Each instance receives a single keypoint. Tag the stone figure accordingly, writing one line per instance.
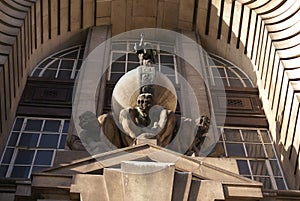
(145, 52)
(145, 120)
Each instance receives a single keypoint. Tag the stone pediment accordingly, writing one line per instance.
(167, 175)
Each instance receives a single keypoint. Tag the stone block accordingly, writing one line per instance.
(210, 190)
(170, 17)
(160, 14)
(103, 21)
(243, 192)
(114, 184)
(144, 22)
(184, 25)
(147, 180)
(88, 13)
(186, 10)
(90, 188)
(75, 15)
(118, 16)
(103, 9)
(144, 8)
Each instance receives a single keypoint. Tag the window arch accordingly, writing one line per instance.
(221, 71)
(63, 65)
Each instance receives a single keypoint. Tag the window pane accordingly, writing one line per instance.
(18, 124)
(280, 184)
(49, 73)
(119, 46)
(275, 168)
(265, 136)
(243, 167)
(33, 125)
(251, 136)
(3, 170)
(131, 66)
(66, 126)
(133, 57)
(24, 156)
(167, 70)
(235, 82)
(166, 59)
(43, 157)
(258, 167)
(62, 142)
(266, 182)
(118, 67)
(221, 72)
(119, 56)
(7, 156)
(235, 149)
(13, 139)
(67, 64)
(52, 125)
(64, 74)
(255, 150)
(49, 141)
(232, 135)
(116, 76)
(20, 171)
(79, 63)
(270, 151)
(29, 139)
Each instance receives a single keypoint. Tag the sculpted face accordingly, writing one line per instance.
(145, 102)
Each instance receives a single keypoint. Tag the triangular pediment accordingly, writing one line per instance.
(200, 168)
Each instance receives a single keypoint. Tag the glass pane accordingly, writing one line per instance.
(280, 184)
(29, 139)
(266, 182)
(235, 82)
(255, 150)
(243, 167)
(24, 156)
(20, 171)
(230, 73)
(265, 136)
(270, 151)
(167, 70)
(259, 167)
(53, 66)
(13, 139)
(116, 76)
(166, 48)
(33, 125)
(275, 168)
(119, 46)
(3, 170)
(117, 67)
(79, 63)
(118, 57)
(36, 72)
(221, 72)
(251, 136)
(66, 126)
(7, 156)
(232, 135)
(133, 57)
(52, 125)
(64, 74)
(215, 72)
(67, 64)
(172, 79)
(235, 149)
(131, 66)
(72, 55)
(49, 141)
(166, 59)
(49, 73)
(62, 142)
(18, 124)
(43, 157)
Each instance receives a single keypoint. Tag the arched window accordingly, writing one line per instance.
(221, 71)
(63, 65)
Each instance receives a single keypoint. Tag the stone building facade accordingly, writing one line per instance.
(259, 37)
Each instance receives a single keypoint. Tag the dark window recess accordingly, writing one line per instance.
(235, 102)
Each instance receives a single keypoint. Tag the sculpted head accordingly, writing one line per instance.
(145, 102)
